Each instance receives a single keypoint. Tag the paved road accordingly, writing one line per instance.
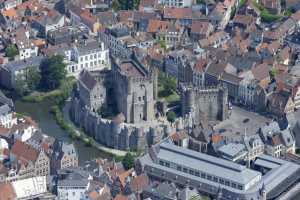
(241, 120)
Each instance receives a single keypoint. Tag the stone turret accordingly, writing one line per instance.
(190, 100)
(210, 101)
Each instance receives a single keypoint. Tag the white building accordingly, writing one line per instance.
(277, 142)
(247, 89)
(73, 186)
(24, 129)
(176, 3)
(27, 50)
(3, 144)
(297, 98)
(90, 56)
(7, 120)
(30, 188)
(8, 4)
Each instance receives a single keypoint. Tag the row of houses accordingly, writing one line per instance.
(26, 152)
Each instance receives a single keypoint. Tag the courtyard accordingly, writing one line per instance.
(241, 122)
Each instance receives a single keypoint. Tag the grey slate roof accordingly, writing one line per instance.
(23, 64)
(279, 174)
(73, 178)
(270, 128)
(249, 140)
(49, 20)
(65, 149)
(87, 79)
(4, 109)
(6, 100)
(232, 149)
(265, 164)
(88, 47)
(208, 164)
(287, 137)
(163, 190)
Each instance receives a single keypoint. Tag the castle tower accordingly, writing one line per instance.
(188, 101)
(155, 84)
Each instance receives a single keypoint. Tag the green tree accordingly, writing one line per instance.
(273, 73)
(126, 4)
(21, 88)
(136, 4)
(162, 44)
(170, 85)
(171, 116)
(53, 72)
(33, 78)
(200, 1)
(128, 161)
(11, 51)
(116, 5)
(167, 85)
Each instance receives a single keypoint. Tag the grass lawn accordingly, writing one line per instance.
(265, 15)
(172, 98)
(169, 98)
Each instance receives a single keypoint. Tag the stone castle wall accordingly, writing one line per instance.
(113, 134)
(209, 102)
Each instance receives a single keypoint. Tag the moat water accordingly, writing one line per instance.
(40, 113)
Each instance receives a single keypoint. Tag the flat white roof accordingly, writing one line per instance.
(30, 187)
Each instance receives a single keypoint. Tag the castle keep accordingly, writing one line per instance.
(116, 106)
(134, 87)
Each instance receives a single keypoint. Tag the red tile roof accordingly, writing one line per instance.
(200, 65)
(24, 151)
(122, 177)
(261, 71)
(139, 183)
(4, 131)
(7, 192)
(296, 16)
(121, 197)
(178, 13)
(155, 26)
(201, 27)
(179, 136)
(87, 16)
(11, 13)
(216, 138)
(243, 19)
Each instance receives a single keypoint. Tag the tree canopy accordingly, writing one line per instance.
(33, 78)
(28, 82)
(168, 84)
(128, 161)
(171, 116)
(116, 5)
(11, 51)
(125, 4)
(53, 71)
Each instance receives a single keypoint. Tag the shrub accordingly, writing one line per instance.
(171, 116)
(128, 161)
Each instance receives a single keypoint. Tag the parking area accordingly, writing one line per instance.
(239, 122)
